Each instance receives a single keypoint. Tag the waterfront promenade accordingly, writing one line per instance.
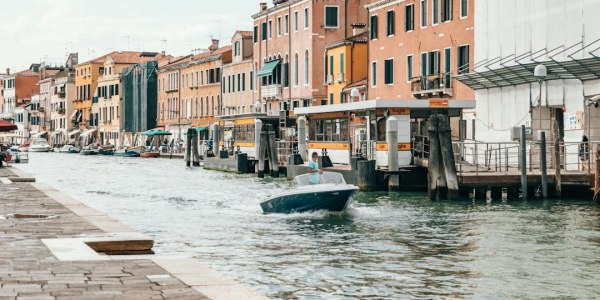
(43, 254)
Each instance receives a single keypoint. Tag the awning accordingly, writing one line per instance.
(74, 132)
(88, 132)
(155, 132)
(74, 115)
(200, 129)
(6, 126)
(268, 68)
(39, 134)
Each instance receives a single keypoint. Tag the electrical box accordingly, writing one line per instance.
(515, 134)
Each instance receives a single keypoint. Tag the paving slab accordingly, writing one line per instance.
(43, 254)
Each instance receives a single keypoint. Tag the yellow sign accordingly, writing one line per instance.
(329, 145)
(384, 147)
(438, 103)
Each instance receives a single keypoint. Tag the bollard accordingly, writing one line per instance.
(543, 165)
(257, 129)
(302, 137)
(188, 150)
(523, 163)
(391, 126)
(367, 176)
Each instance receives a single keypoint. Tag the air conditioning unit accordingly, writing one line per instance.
(330, 79)
(340, 77)
(515, 133)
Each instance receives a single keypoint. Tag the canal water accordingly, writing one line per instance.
(387, 246)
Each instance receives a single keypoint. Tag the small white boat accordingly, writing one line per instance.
(69, 149)
(39, 145)
(332, 194)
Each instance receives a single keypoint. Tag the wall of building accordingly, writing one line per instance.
(515, 28)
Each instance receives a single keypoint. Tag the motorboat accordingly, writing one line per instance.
(106, 150)
(332, 194)
(89, 152)
(20, 157)
(69, 149)
(150, 154)
(127, 153)
(39, 145)
(24, 147)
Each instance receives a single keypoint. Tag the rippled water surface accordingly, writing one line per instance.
(387, 246)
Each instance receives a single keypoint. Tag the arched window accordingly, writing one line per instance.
(218, 105)
(306, 68)
(212, 106)
(201, 107)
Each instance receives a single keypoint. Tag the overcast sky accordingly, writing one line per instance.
(35, 30)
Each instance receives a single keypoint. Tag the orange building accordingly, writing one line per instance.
(189, 89)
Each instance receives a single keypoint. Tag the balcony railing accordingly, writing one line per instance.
(425, 86)
(271, 91)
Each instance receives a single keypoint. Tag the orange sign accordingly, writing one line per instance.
(394, 111)
(438, 103)
(329, 145)
(384, 147)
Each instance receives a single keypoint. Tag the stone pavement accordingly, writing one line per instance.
(30, 270)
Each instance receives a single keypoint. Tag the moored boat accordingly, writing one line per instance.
(106, 150)
(332, 194)
(126, 153)
(39, 145)
(89, 152)
(69, 149)
(150, 154)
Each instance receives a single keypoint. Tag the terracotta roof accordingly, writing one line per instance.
(245, 33)
(356, 84)
(25, 73)
(359, 38)
(208, 53)
(126, 57)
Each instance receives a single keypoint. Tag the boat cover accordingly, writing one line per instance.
(326, 178)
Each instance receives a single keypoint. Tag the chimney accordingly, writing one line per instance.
(263, 6)
(358, 28)
(163, 53)
(7, 71)
(214, 46)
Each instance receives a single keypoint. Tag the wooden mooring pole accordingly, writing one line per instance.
(188, 149)
(447, 154)
(543, 165)
(523, 163)
(557, 163)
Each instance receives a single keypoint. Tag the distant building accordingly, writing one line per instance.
(63, 114)
(140, 105)
(189, 89)
(18, 88)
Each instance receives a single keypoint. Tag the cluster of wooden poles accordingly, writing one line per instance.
(192, 155)
(443, 181)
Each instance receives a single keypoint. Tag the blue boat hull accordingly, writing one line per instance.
(337, 200)
(126, 154)
(106, 152)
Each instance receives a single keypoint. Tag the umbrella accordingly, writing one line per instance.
(6, 126)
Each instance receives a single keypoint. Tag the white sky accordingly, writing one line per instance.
(35, 30)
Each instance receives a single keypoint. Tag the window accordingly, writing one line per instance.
(279, 26)
(464, 8)
(342, 64)
(331, 130)
(424, 13)
(286, 24)
(270, 28)
(435, 12)
(423, 64)
(264, 31)
(244, 82)
(331, 17)
(434, 62)
(447, 66)
(296, 71)
(331, 65)
(296, 21)
(306, 18)
(463, 59)
(251, 80)
(286, 73)
(239, 82)
(388, 71)
(374, 27)
(409, 68)
(255, 34)
(330, 98)
(446, 10)
(374, 73)
(391, 27)
(306, 68)
(409, 18)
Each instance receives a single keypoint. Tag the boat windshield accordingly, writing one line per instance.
(325, 178)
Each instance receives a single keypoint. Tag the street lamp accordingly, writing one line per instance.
(354, 93)
(540, 72)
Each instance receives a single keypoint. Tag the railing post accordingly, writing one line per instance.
(476, 160)
(543, 165)
(523, 163)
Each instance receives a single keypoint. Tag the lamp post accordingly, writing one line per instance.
(540, 72)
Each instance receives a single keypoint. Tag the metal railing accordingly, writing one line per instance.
(363, 148)
(432, 83)
(505, 157)
(285, 149)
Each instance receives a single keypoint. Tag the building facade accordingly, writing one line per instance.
(189, 89)
(511, 40)
(289, 47)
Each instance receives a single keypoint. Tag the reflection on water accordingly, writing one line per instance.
(387, 245)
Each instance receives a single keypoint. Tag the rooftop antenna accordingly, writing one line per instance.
(164, 40)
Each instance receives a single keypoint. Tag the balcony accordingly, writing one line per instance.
(273, 91)
(339, 78)
(329, 79)
(433, 85)
(62, 94)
